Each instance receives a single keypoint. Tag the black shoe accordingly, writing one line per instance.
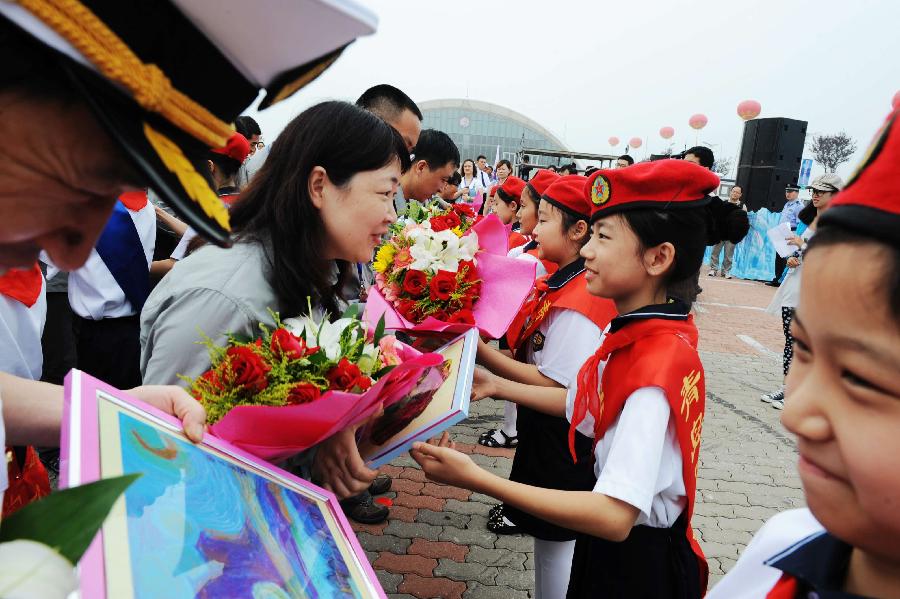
(498, 523)
(489, 439)
(381, 485)
(360, 508)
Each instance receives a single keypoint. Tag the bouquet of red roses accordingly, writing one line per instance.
(459, 218)
(431, 276)
(297, 384)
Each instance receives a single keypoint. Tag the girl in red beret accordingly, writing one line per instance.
(843, 404)
(640, 396)
(556, 330)
(505, 203)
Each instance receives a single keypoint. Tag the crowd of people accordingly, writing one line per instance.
(165, 232)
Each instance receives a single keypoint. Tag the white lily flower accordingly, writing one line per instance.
(30, 569)
(448, 259)
(368, 361)
(326, 335)
(424, 251)
(468, 246)
(329, 338)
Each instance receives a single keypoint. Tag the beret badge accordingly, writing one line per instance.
(600, 190)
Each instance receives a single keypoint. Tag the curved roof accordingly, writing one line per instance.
(494, 109)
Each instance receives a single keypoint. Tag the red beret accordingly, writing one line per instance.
(511, 190)
(662, 184)
(540, 181)
(567, 193)
(870, 202)
(237, 148)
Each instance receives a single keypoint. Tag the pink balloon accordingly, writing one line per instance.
(613, 141)
(895, 103)
(635, 142)
(698, 121)
(667, 132)
(749, 109)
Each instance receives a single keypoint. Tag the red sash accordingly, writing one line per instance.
(573, 295)
(23, 285)
(650, 353)
(27, 481)
(229, 198)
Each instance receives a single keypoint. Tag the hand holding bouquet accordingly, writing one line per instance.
(298, 384)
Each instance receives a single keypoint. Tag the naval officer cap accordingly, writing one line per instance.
(167, 78)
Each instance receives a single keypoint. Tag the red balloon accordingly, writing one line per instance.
(635, 142)
(613, 141)
(667, 132)
(895, 103)
(749, 109)
(698, 121)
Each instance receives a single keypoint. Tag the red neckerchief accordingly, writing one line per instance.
(785, 588)
(22, 285)
(134, 200)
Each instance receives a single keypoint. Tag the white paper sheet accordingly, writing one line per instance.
(779, 236)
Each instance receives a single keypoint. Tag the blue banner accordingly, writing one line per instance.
(754, 256)
(805, 170)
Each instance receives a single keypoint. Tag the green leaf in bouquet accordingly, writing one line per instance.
(67, 520)
(352, 311)
(383, 371)
(379, 329)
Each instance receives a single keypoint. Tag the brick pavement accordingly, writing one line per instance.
(435, 543)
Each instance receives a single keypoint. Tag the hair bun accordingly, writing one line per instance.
(726, 222)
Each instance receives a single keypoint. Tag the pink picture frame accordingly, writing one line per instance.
(105, 433)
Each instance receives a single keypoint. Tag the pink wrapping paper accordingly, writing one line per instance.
(506, 283)
(276, 433)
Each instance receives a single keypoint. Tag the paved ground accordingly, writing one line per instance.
(435, 543)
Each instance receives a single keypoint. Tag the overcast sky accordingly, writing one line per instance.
(590, 70)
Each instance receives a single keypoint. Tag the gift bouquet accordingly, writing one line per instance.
(295, 385)
(446, 271)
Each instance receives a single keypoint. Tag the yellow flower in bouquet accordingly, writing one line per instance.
(384, 257)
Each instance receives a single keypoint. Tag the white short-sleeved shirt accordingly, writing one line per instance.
(751, 578)
(21, 328)
(181, 249)
(570, 338)
(638, 460)
(520, 254)
(93, 291)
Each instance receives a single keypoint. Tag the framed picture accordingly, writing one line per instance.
(439, 400)
(203, 520)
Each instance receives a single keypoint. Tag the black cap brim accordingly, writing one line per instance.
(125, 121)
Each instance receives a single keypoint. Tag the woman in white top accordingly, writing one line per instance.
(786, 298)
(321, 202)
(470, 187)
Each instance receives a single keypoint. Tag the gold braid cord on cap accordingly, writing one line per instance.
(150, 87)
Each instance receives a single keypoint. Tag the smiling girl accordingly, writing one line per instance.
(556, 330)
(640, 396)
(843, 405)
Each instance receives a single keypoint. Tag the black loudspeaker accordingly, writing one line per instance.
(771, 153)
(763, 186)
